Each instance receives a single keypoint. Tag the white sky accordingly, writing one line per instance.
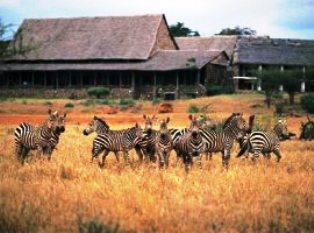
(277, 18)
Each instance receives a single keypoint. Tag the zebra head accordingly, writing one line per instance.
(236, 125)
(61, 123)
(194, 128)
(281, 129)
(163, 128)
(149, 124)
(97, 125)
(52, 121)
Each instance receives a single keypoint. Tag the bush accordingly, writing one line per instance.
(126, 102)
(218, 89)
(47, 103)
(307, 102)
(69, 105)
(95, 226)
(193, 109)
(94, 102)
(98, 92)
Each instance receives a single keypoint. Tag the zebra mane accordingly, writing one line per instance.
(101, 121)
(229, 119)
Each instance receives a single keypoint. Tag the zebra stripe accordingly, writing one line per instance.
(164, 143)
(259, 142)
(222, 141)
(97, 125)
(115, 141)
(29, 138)
(190, 144)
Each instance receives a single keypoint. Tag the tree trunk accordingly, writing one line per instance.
(291, 98)
(268, 98)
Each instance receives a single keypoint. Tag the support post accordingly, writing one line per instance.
(282, 69)
(33, 80)
(155, 86)
(70, 79)
(81, 79)
(57, 80)
(303, 81)
(20, 79)
(198, 77)
(259, 82)
(177, 85)
(45, 79)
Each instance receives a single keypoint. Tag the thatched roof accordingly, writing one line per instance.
(265, 50)
(115, 38)
(222, 43)
(164, 60)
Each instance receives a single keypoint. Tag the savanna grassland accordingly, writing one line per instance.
(69, 194)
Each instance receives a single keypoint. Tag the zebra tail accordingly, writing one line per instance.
(243, 149)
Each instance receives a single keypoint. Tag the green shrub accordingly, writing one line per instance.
(69, 105)
(218, 89)
(278, 95)
(307, 102)
(95, 226)
(47, 103)
(193, 109)
(125, 102)
(98, 92)
(90, 102)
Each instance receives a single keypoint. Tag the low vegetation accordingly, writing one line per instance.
(70, 194)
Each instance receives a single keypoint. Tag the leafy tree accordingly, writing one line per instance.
(237, 31)
(291, 81)
(270, 80)
(179, 30)
(98, 92)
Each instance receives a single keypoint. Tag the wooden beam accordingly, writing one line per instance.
(57, 80)
(177, 85)
(70, 79)
(155, 86)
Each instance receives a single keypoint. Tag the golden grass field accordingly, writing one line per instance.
(69, 194)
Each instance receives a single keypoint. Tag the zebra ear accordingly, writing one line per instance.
(168, 120)
(95, 117)
(191, 117)
(144, 116)
(64, 115)
(49, 111)
(136, 125)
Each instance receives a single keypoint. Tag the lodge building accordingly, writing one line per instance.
(136, 57)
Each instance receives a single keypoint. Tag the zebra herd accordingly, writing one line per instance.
(152, 145)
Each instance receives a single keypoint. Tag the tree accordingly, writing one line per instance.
(179, 30)
(237, 31)
(291, 81)
(270, 80)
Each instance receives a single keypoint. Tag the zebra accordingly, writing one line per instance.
(281, 129)
(28, 137)
(97, 125)
(147, 145)
(222, 141)
(55, 135)
(116, 140)
(164, 143)
(190, 144)
(263, 142)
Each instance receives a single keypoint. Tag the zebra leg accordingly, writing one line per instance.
(161, 158)
(117, 156)
(126, 157)
(255, 156)
(103, 159)
(226, 158)
(139, 154)
(277, 153)
(187, 162)
(19, 152)
(199, 157)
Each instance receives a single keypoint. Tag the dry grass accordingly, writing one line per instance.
(69, 194)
